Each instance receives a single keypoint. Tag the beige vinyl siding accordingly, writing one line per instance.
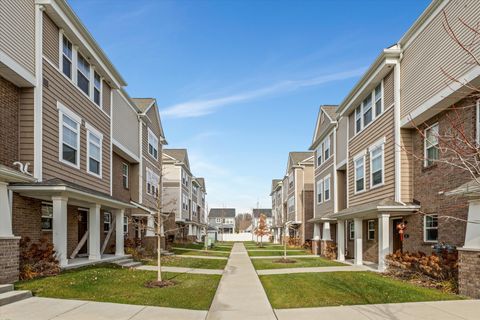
(61, 89)
(50, 40)
(406, 161)
(351, 124)
(324, 207)
(341, 140)
(381, 127)
(434, 50)
(151, 163)
(26, 133)
(17, 31)
(388, 90)
(125, 117)
(106, 91)
(324, 165)
(299, 188)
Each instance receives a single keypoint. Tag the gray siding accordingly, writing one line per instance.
(124, 117)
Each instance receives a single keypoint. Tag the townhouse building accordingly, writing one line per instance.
(297, 193)
(184, 195)
(67, 171)
(278, 222)
(222, 220)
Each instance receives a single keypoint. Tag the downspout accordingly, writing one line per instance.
(38, 95)
(397, 135)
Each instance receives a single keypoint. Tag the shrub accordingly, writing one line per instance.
(37, 259)
(330, 251)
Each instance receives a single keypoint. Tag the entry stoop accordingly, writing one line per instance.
(9, 295)
(127, 263)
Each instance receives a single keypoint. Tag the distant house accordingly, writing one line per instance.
(256, 217)
(223, 219)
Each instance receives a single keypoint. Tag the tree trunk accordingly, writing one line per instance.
(159, 249)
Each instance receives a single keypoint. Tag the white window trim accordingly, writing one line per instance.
(151, 174)
(425, 154)
(319, 152)
(478, 122)
(327, 138)
(99, 135)
(288, 204)
(218, 220)
(152, 135)
(63, 110)
(358, 157)
(62, 35)
(351, 229)
(47, 217)
(425, 228)
(368, 230)
(93, 87)
(379, 144)
(374, 117)
(327, 177)
(125, 165)
(125, 224)
(107, 214)
(319, 183)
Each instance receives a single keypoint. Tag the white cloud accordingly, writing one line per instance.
(198, 108)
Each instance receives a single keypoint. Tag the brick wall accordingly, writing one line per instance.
(308, 214)
(469, 273)
(9, 103)
(27, 218)
(370, 247)
(118, 190)
(9, 257)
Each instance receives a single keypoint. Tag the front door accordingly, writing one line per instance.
(82, 228)
(396, 243)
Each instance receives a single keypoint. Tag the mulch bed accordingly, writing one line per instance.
(160, 284)
(285, 261)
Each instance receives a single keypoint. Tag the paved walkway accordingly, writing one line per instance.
(441, 310)
(182, 270)
(240, 294)
(59, 309)
(312, 269)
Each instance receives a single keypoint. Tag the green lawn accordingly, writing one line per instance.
(200, 247)
(277, 253)
(270, 247)
(201, 253)
(304, 290)
(108, 283)
(185, 262)
(260, 264)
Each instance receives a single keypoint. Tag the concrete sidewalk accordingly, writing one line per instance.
(182, 270)
(438, 310)
(240, 295)
(59, 309)
(312, 270)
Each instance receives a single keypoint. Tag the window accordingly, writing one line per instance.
(97, 88)
(291, 205)
(431, 145)
(378, 100)
(47, 217)
(319, 191)
(70, 138)
(319, 154)
(376, 166)
(125, 175)
(327, 148)
(326, 188)
(351, 230)
(358, 119)
(107, 221)
(152, 183)
(431, 228)
(360, 174)
(218, 220)
(125, 225)
(67, 57)
(367, 111)
(194, 209)
(83, 74)
(152, 144)
(94, 150)
(185, 178)
(370, 108)
(184, 202)
(195, 190)
(290, 180)
(371, 230)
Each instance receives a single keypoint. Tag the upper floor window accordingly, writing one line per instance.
(326, 148)
(67, 55)
(290, 180)
(97, 88)
(430, 228)
(107, 221)
(152, 183)
(83, 74)
(319, 191)
(185, 178)
(184, 202)
(319, 154)
(125, 175)
(326, 188)
(291, 204)
(69, 137)
(94, 151)
(359, 174)
(218, 220)
(376, 165)
(195, 190)
(431, 145)
(152, 144)
(370, 108)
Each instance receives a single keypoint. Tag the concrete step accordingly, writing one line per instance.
(132, 264)
(14, 296)
(122, 261)
(6, 288)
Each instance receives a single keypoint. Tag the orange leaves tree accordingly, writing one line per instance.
(262, 229)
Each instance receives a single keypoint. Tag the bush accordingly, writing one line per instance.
(37, 259)
(330, 251)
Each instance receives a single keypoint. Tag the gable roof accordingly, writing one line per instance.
(330, 113)
(275, 182)
(201, 182)
(257, 212)
(222, 213)
(144, 105)
(180, 155)
(296, 157)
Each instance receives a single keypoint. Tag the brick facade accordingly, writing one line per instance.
(469, 273)
(9, 258)
(9, 102)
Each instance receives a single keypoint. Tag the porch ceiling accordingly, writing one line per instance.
(372, 209)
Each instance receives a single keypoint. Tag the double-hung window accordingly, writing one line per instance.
(378, 100)
(431, 145)
(351, 230)
(67, 57)
(319, 154)
(125, 175)
(107, 221)
(291, 181)
(97, 88)
(125, 225)
(359, 173)
(152, 183)
(218, 220)
(326, 148)
(367, 111)
(371, 230)
(47, 217)
(358, 119)
(69, 137)
(326, 188)
(152, 144)
(83, 74)
(291, 205)
(319, 191)
(94, 151)
(431, 228)
(376, 165)
(370, 108)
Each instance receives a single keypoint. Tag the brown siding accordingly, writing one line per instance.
(59, 89)
(434, 50)
(25, 132)
(106, 97)
(324, 207)
(152, 164)
(381, 127)
(17, 30)
(9, 103)
(118, 189)
(50, 40)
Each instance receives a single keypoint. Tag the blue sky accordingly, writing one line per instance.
(239, 83)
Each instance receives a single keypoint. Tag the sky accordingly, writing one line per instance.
(239, 83)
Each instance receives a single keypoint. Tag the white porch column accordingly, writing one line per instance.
(150, 226)
(190, 230)
(358, 250)
(5, 212)
(383, 239)
(94, 232)
(316, 231)
(326, 234)
(341, 240)
(119, 236)
(472, 235)
(59, 225)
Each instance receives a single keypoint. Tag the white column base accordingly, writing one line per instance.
(341, 240)
(472, 235)
(326, 234)
(358, 243)
(119, 236)
(150, 232)
(383, 240)
(59, 222)
(94, 233)
(5, 212)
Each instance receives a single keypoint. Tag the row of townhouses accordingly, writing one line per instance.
(380, 175)
(81, 161)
